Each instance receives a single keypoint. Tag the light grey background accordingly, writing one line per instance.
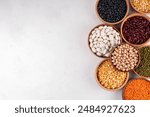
(44, 52)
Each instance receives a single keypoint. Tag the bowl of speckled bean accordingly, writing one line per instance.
(103, 39)
(141, 6)
(143, 69)
(109, 78)
(112, 11)
(135, 29)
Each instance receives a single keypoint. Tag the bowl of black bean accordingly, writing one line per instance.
(112, 11)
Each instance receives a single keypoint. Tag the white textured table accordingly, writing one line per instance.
(44, 52)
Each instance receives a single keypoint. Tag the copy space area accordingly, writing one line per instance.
(44, 51)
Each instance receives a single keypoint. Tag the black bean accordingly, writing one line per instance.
(112, 10)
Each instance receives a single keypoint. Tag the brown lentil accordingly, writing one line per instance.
(125, 57)
(141, 5)
(109, 77)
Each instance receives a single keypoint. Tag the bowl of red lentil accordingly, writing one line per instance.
(143, 69)
(141, 6)
(109, 78)
(137, 89)
(112, 11)
(135, 29)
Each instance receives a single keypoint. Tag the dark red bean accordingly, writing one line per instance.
(136, 30)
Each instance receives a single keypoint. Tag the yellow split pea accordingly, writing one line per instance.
(109, 77)
(141, 5)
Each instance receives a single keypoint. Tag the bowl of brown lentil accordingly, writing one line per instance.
(109, 78)
(141, 6)
(137, 89)
(102, 39)
(125, 57)
(112, 11)
(143, 69)
(135, 29)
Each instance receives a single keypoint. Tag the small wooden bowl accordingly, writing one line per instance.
(139, 58)
(138, 65)
(97, 27)
(97, 79)
(123, 91)
(137, 9)
(133, 15)
(128, 6)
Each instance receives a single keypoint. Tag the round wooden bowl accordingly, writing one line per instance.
(139, 58)
(97, 79)
(128, 6)
(123, 91)
(138, 65)
(97, 27)
(132, 15)
(137, 9)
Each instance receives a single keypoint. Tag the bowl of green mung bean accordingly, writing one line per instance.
(143, 69)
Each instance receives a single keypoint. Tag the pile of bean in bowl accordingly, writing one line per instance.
(123, 51)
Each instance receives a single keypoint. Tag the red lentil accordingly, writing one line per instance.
(138, 89)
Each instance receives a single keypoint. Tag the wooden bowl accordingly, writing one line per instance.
(138, 65)
(128, 6)
(133, 15)
(97, 27)
(139, 58)
(137, 9)
(97, 79)
(123, 91)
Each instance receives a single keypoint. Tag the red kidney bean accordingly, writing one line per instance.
(136, 30)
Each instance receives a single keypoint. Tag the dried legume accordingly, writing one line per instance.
(138, 89)
(125, 57)
(141, 5)
(109, 77)
(144, 67)
(103, 39)
(136, 30)
(112, 10)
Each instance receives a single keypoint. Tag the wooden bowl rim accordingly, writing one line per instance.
(121, 29)
(139, 78)
(127, 12)
(112, 90)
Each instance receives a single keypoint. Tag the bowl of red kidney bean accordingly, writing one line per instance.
(135, 29)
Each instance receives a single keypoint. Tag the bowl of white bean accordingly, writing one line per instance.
(103, 39)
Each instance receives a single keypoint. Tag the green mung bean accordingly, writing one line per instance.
(144, 67)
